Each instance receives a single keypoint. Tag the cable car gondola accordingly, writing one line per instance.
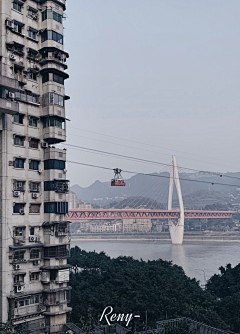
(118, 180)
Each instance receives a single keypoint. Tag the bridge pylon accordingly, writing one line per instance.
(176, 227)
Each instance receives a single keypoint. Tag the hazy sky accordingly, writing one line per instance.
(164, 73)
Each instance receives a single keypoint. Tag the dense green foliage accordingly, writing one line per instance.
(132, 286)
(226, 288)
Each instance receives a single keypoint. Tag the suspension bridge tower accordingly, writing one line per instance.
(176, 227)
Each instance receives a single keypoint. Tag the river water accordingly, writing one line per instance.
(207, 256)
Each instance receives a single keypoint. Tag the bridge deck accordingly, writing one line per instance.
(107, 214)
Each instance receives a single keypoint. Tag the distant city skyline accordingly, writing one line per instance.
(162, 73)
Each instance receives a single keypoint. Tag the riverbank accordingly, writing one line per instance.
(188, 237)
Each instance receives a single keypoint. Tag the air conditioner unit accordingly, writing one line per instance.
(34, 195)
(35, 263)
(44, 145)
(11, 95)
(31, 239)
(20, 288)
(17, 266)
(21, 211)
(16, 193)
(12, 57)
(9, 24)
(35, 17)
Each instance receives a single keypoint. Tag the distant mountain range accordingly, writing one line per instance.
(204, 188)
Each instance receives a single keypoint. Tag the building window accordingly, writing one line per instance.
(34, 186)
(17, 6)
(49, 14)
(54, 164)
(19, 231)
(56, 99)
(58, 186)
(54, 77)
(32, 231)
(32, 33)
(62, 228)
(18, 118)
(35, 253)
(21, 303)
(18, 163)
(18, 207)
(34, 277)
(19, 278)
(34, 208)
(56, 251)
(51, 299)
(18, 140)
(52, 35)
(18, 255)
(31, 53)
(53, 121)
(33, 143)
(32, 76)
(27, 97)
(31, 12)
(56, 207)
(32, 121)
(19, 185)
(17, 27)
(58, 78)
(33, 164)
(27, 301)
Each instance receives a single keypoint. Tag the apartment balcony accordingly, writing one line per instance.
(56, 310)
(54, 135)
(57, 239)
(58, 62)
(53, 110)
(59, 251)
(52, 277)
(9, 107)
(57, 2)
(9, 83)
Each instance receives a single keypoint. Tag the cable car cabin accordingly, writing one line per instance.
(118, 182)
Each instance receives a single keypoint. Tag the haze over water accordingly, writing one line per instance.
(207, 256)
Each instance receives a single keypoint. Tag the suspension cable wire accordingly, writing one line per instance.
(148, 194)
(137, 142)
(136, 198)
(141, 149)
(191, 187)
(159, 184)
(153, 174)
(145, 160)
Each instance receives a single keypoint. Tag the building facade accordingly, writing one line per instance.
(34, 233)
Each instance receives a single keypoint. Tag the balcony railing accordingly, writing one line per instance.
(8, 106)
(53, 59)
(9, 82)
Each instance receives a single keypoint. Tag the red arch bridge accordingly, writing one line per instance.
(104, 214)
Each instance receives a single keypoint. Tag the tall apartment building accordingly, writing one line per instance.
(34, 233)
